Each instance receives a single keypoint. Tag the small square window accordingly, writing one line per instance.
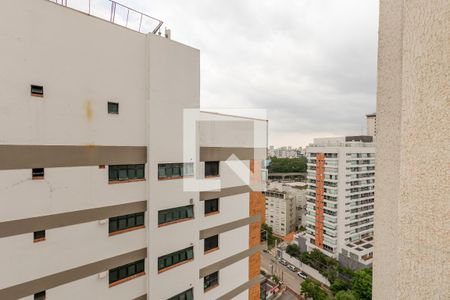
(113, 108)
(211, 243)
(39, 235)
(37, 91)
(211, 168)
(39, 296)
(37, 173)
(211, 206)
(210, 281)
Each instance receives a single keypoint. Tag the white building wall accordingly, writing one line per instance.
(154, 80)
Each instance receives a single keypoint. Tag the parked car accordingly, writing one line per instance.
(283, 262)
(292, 268)
(302, 274)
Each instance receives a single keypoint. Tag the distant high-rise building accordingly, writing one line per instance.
(372, 124)
(340, 198)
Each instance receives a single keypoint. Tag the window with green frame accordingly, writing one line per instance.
(211, 206)
(176, 170)
(175, 258)
(211, 280)
(126, 271)
(186, 295)
(211, 168)
(127, 221)
(126, 172)
(113, 108)
(211, 242)
(175, 214)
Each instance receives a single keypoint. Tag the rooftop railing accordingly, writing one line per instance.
(116, 13)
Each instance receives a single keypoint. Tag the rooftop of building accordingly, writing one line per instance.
(274, 193)
(116, 13)
(344, 141)
(362, 245)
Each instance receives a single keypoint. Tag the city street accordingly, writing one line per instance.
(272, 266)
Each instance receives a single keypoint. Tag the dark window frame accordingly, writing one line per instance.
(168, 171)
(212, 206)
(128, 271)
(186, 295)
(175, 215)
(118, 173)
(113, 108)
(212, 168)
(126, 223)
(210, 281)
(39, 235)
(37, 173)
(37, 90)
(211, 243)
(40, 295)
(171, 260)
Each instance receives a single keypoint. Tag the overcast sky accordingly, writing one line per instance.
(310, 63)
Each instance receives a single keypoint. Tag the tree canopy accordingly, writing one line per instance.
(345, 295)
(310, 289)
(293, 250)
(362, 284)
(286, 165)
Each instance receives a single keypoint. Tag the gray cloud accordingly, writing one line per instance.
(310, 63)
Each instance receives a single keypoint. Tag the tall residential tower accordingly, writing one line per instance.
(340, 198)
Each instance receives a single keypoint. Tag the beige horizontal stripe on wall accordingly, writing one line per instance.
(54, 280)
(235, 190)
(225, 153)
(53, 156)
(206, 233)
(22, 226)
(233, 293)
(228, 261)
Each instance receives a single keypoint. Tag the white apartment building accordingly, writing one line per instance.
(340, 197)
(295, 190)
(99, 197)
(372, 124)
(281, 212)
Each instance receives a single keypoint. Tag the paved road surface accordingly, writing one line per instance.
(272, 266)
(287, 296)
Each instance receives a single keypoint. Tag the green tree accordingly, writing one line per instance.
(293, 250)
(345, 295)
(286, 165)
(326, 265)
(339, 285)
(275, 279)
(310, 289)
(362, 284)
(266, 229)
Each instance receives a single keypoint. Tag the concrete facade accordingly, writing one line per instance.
(82, 63)
(412, 244)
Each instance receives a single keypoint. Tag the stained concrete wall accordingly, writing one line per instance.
(412, 245)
